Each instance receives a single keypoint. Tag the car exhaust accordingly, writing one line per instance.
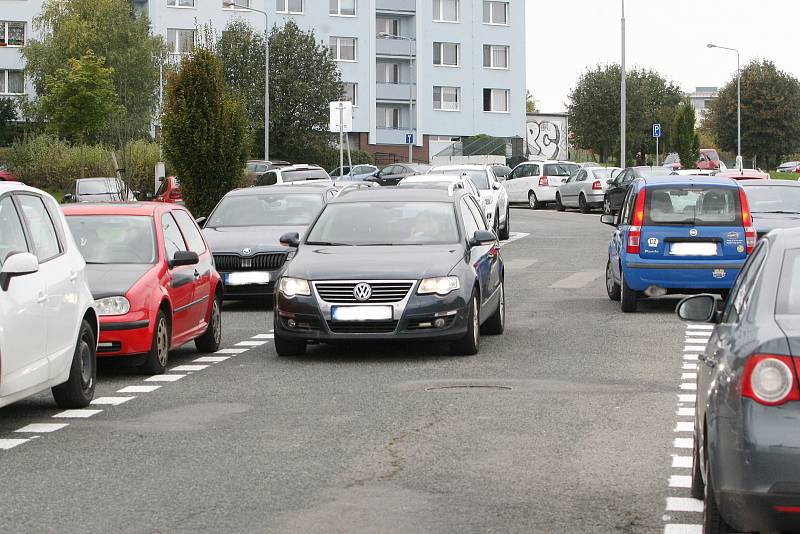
(655, 291)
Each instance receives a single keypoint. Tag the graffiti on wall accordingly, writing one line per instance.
(547, 137)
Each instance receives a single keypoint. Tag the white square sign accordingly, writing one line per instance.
(341, 111)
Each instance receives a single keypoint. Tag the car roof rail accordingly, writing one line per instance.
(353, 187)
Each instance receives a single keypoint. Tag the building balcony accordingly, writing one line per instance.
(394, 47)
(396, 6)
(395, 92)
(391, 136)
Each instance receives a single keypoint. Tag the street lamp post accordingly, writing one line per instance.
(623, 98)
(234, 5)
(738, 103)
(410, 87)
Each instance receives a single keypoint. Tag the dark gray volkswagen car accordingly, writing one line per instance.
(747, 424)
(392, 264)
(773, 204)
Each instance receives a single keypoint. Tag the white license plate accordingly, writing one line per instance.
(361, 313)
(246, 279)
(693, 249)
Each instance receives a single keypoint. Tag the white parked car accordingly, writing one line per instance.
(443, 180)
(585, 189)
(48, 327)
(492, 193)
(291, 174)
(536, 182)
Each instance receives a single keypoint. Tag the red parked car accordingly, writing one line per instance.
(153, 279)
(169, 191)
(6, 176)
(708, 160)
(744, 174)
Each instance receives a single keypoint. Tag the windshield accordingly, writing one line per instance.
(99, 187)
(672, 158)
(266, 210)
(773, 199)
(109, 239)
(310, 174)
(604, 174)
(385, 223)
(649, 172)
(697, 206)
(477, 176)
(560, 169)
(789, 290)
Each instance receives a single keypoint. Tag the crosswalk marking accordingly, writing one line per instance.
(578, 280)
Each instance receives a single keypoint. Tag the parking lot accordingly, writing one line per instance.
(570, 422)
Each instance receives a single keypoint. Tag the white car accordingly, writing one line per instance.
(491, 192)
(536, 182)
(291, 174)
(585, 189)
(422, 180)
(48, 326)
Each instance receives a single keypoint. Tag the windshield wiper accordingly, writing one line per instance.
(329, 244)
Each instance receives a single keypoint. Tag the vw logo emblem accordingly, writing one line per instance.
(693, 232)
(362, 292)
(247, 251)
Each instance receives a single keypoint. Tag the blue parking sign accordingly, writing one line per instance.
(657, 130)
(409, 138)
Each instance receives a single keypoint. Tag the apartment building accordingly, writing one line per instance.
(439, 69)
(16, 17)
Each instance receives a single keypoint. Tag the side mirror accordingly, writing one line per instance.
(496, 186)
(482, 237)
(698, 308)
(149, 196)
(292, 239)
(610, 220)
(69, 197)
(609, 182)
(18, 264)
(136, 194)
(184, 257)
(201, 221)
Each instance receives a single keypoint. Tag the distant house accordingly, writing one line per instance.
(701, 100)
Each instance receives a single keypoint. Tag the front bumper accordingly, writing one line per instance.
(249, 291)
(681, 275)
(125, 335)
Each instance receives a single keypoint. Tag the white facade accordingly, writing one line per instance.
(701, 99)
(16, 27)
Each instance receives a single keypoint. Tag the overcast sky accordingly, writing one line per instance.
(566, 36)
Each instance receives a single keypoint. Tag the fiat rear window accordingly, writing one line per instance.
(693, 206)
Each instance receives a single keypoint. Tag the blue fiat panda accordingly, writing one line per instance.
(678, 235)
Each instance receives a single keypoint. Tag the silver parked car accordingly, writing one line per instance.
(585, 188)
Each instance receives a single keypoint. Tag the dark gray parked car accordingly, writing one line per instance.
(392, 174)
(747, 417)
(773, 204)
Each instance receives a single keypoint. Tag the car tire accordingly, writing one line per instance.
(533, 202)
(607, 206)
(496, 324)
(629, 299)
(505, 230)
(286, 346)
(496, 225)
(698, 488)
(559, 205)
(612, 287)
(583, 205)
(78, 390)
(211, 339)
(713, 523)
(470, 343)
(156, 360)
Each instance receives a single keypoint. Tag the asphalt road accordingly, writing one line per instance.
(563, 424)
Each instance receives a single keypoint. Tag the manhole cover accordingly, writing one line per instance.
(467, 387)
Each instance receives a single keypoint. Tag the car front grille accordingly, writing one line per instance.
(382, 292)
(109, 347)
(259, 262)
(362, 327)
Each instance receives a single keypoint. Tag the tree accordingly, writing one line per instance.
(595, 115)
(530, 103)
(8, 114)
(683, 137)
(304, 79)
(770, 114)
(204, 131)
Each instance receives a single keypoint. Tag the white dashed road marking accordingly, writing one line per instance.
(683, 443)
(231, 351)
(683, 529)
(251, 343)
(577, 280)
(6, 444)
(111, 401)
(41, 428)
(212, 359)
(684, 426)
(680, 481)
(163, 378)
(264, 336)
(77, 414)
(683, 462)
(138, 389)
(684, 504)
(185, 368)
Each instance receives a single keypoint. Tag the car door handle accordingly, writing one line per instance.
(41, 299)
(196, 274)
(73, 277)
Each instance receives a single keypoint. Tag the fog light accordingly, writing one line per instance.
(291, 323)
(438, 323)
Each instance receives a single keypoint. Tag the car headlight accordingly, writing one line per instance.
(441, 285)
(291, 287)
(112, 306)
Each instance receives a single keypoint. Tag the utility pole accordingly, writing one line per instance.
(622, 99)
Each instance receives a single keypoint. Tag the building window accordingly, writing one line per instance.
(496, 100)
(351, 93)
(12, 33)
(446, 98)
(495, 56)
(445, 10)
(226, 4)
(12, 82)
(388, 72)
(343, 8)
(292, 7)
(180, 3)
(343, 48)
(388, 118)
(387, 26)
(495, 12)
(446, 54)
(180, 41)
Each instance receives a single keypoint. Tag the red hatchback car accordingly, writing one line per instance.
(169, 191)
(152, 277)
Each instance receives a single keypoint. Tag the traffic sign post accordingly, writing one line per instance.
(341, 120)
(656, 135)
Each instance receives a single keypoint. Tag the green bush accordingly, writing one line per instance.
(139, 162)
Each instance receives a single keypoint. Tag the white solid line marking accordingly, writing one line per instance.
(684, 426)
(163, 378)
(690, 366)
(683, 462)
(700, 327)
(231, 351)
(694, 348)
(691, 357)
(77, 414)
(111, 401)
(138, 389)
(41, 428)
(577, 280)
(185, 368)
(685, 412)
(689, 386)
(700, 340)
(6, 444)
(676, 528)
(251, 343)
(688, 376)
(687, 398)
(264, 336)
(684, 504)
(211, 359)
(680, 481)
(683, 443)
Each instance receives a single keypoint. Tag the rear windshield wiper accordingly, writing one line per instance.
(779, 212)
